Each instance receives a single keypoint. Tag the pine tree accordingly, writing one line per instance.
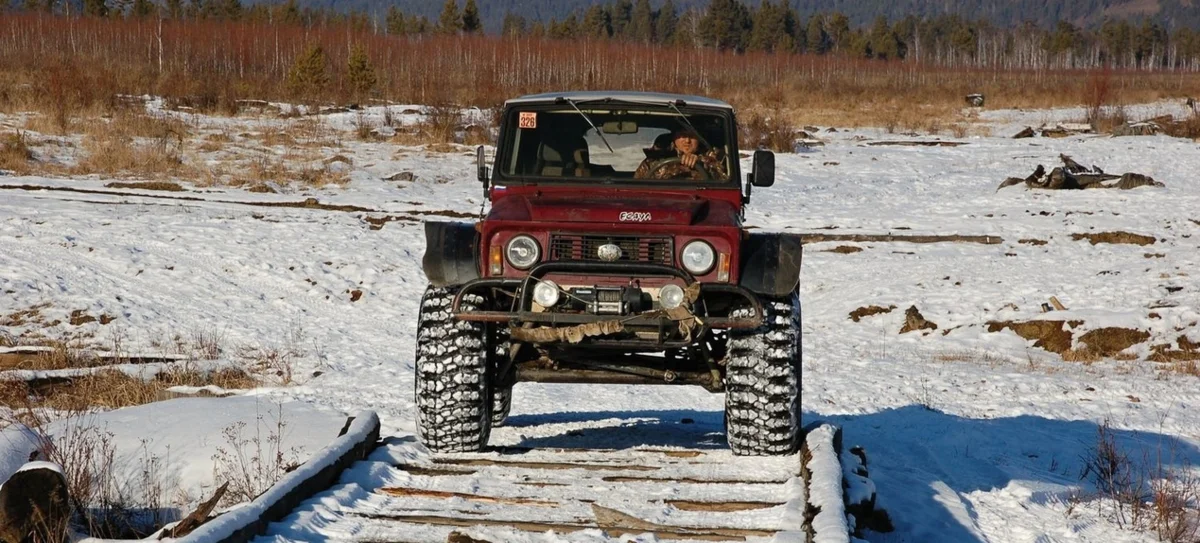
(816, 39)
(596, 23)
(538, 30)
(359, 73)
(230, 10)
(291, 13)
(174, 8)
(883, 42)
(838, 28)
(686, 35)
(309, 75)
(769, 27)
(143, 8)
(725, 25)
(450, 21)
(470, 18)
(641, 23)
(394, 22)
(95, 8)
(514, 26)
(666, 22)
(621, 16)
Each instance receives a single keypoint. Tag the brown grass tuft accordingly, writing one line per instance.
(15, 154)
(868, 311)
(1049, 335)
(1115, 238)
(775, 133)
(148, 185)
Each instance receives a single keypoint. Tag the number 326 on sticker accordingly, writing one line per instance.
(528, 119)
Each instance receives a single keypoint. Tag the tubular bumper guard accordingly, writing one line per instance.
(524, 308)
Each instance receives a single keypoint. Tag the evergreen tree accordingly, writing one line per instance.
(883, 42)
(685, 32)
(359, 73)
(174, 8)
(725, 25)
(143, 8)
(538, 30)
(596, 23)
(838, 28)
(291, 13)
(816, 39)
(95, 8)
(514, 25)
(230, 10)
(394, 22)
(621, 16)
(450, 21)
(641, 23)
(769, 27)
(666, 22)
(309, 76)
(470, 18)
(417, 25)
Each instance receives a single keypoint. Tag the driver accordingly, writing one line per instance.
(684, 159)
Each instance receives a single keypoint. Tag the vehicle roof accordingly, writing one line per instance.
(623, 96)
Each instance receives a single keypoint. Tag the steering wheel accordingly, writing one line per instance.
(705, 175)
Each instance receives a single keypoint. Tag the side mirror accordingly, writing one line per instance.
(481, 166)
(762, 170)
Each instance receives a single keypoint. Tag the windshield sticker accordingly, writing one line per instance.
(634, 216)
(528, 120)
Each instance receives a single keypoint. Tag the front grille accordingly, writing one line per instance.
(648, 249)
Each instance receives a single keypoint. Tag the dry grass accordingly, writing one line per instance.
(775, 133)
(111, 389)
(15, 154)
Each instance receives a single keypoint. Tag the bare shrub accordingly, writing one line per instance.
(15, 153)
(251, 461)
(774, 132)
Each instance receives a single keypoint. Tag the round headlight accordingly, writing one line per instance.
(698, 257)
(523, 252)
(670, 296)
(546, 293)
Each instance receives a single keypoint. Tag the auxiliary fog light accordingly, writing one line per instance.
(546, 293)
(670, 296)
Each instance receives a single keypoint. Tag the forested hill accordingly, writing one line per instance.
(1003, 13)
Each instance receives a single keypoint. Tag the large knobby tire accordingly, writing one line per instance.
(452, 379)
(762, 382)
(503, 384)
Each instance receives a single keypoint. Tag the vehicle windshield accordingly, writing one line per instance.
(634, 144)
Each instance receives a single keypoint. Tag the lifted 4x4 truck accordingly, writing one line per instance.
(613, 252)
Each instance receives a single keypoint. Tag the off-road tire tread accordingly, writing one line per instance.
(762, 381)
(502, 386)
(452, 380)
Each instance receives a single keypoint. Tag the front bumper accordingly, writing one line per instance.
(522, 312)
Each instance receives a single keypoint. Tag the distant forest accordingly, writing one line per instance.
(983, 33)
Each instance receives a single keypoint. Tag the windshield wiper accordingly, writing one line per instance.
(589, 121)
(690, 125)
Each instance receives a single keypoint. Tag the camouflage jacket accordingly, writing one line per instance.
(676, 170)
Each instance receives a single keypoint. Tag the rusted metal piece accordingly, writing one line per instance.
(567, 334)
(531, 373)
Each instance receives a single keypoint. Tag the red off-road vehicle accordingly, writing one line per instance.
(613, 252)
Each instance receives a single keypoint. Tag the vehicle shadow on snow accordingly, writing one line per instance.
(620, 429)
(924, 461)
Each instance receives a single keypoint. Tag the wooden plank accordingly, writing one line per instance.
(424, 493)
(906, 238)
(720, 507)
(541, 527)
(544, 465)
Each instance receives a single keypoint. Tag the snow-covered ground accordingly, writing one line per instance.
(972, 436)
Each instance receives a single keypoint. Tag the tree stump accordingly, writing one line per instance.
(34, 505)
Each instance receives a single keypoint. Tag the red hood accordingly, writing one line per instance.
(543, 209)
(560, 209)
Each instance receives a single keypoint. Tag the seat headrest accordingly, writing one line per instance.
(550, 154)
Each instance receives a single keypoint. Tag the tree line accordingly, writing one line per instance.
(772, 26)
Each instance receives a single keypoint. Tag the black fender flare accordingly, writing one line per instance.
(451, 253)
(770, 263)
